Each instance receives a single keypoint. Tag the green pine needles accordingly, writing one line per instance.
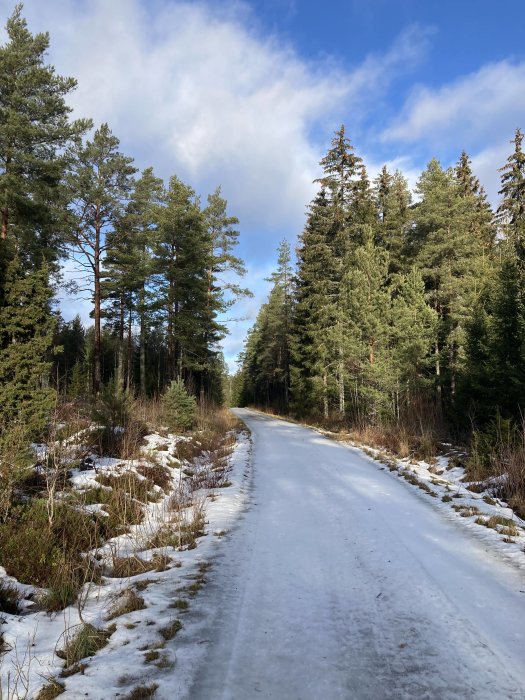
(180, 408)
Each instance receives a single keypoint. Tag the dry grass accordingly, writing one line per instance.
(51, 690)
(171, 629)
(183, 532)
(156, 474)
(10, 598)
(127, 602)
(466, 511)
(126, 567)
(142, 692)
(82, 641)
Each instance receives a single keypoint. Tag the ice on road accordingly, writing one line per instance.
(341, 582)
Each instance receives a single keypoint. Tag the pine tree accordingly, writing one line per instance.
(224, 268)
(182, 260)
(99, 182)
(34, 134)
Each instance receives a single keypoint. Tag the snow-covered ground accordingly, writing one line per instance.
(324, 574)
(141, 651)
(345, 581)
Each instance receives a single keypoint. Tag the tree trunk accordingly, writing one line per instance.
(129, 380)
(97, 350)
(120, 352)
(142, 359)
(325, 395)
(438, 377)
(5, 221)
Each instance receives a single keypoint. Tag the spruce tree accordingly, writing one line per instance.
(511, 210)
(449, 252)
(413, 332)
(366, 303)
(394, 217)
(317, 307)
(276, 345)
(27, 331)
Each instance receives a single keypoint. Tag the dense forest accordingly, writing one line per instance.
(157, 265)
(403, 313)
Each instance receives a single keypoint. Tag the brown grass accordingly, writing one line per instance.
(51, 690)
(142, 692)
(82, 641)
(128, 601)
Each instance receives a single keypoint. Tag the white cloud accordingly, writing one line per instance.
(477, 107)
(194, 89)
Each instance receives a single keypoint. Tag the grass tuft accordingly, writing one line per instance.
(51, 690)
(127, 602)
(82, 641)
(142, 692)
(171, 629)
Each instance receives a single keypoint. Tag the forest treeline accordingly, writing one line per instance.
(399, 312)
(158, 266)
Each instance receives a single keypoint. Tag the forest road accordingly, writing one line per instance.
(341, 581)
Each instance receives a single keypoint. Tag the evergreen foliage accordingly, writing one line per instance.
(26, 334)
(180, 408)
(400, 312)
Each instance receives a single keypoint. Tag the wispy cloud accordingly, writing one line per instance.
(475, 108)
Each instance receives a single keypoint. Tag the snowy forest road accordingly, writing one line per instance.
(341, 582)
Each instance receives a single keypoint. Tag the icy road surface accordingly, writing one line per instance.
(341, 582)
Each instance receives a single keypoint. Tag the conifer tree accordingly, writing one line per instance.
(278, 322)
(34, 132)
(142, 217)
(448, 252)
(511, 210)
(71, 339)
(393, 199)
(413, 333)
(99, 182)
(366, 303)
(224, 269)
(317, 301)
(26, 331)
(182, 261)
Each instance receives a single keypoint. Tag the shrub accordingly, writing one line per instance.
(180, 408)
(121, 431)
(49, 554)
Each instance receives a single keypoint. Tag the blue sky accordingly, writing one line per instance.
(247, 94)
